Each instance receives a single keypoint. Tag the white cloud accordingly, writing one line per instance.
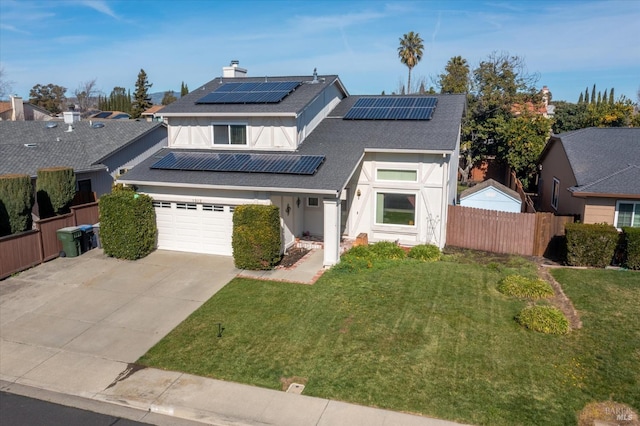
(100, 6)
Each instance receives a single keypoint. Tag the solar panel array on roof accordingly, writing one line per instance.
(245, 163)
(393, 108)
(250, 92)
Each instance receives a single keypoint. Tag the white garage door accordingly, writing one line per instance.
(197, 228)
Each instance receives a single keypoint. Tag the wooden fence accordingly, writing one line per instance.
(527, 234)
(26, 249)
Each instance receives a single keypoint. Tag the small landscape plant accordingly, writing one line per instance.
(371, 256)
(425, 252)
(591, 244)
(523, 287)
(544, 319)
(387, 250)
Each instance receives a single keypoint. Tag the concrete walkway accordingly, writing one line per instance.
(74, 326)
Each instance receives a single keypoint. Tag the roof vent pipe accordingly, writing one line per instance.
(315, 76)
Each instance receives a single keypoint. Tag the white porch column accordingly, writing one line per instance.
(331, 231)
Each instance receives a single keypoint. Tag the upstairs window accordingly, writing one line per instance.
(229, 134)
(398, 175)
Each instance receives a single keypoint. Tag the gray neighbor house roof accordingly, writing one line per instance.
(26, 146)
(603, 160)
(342, 142)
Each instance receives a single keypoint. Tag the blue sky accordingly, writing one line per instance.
(570, 44)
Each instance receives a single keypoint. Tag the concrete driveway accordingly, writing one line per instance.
(97, 314)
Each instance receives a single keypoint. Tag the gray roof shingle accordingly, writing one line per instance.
(343, 142)
(604, 160)
(83, 148)
(294, 103)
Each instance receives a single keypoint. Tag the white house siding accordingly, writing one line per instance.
(317, 110)
(198, 220)
(263, 133)
(101, 181)
(430, 190)
(491, 198)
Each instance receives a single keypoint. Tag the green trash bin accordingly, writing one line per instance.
(70, 238)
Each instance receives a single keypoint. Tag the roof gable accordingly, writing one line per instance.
(598, 155)
(487, 185)
(294, 103)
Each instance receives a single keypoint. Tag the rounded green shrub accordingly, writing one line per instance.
(128, 227)
(519, 286)
(544, 319)
(632, 247)
(425, 252)
(387, 250)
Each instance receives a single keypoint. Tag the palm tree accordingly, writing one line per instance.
(410, 52)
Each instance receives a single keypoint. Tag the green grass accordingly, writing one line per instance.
(431, 338)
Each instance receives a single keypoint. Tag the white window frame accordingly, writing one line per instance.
(393, 169)
(395, 192)
(162, 204)
(311, 205)
(228, 126)
(555, 193)
(634, 203)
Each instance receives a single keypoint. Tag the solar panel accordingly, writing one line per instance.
(393, 108)
(244, 163)
(250, 92)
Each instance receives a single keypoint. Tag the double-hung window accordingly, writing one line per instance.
(627, 214)
(229, 134)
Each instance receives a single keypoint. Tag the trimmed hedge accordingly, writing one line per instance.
(128, 227)
(523, 287)
(425, 252)
(16, 202)
(256, 238)
(632, 244)
(544, 319)
(591, 244)
(55, 189)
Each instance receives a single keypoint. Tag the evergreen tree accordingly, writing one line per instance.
(581, 98)
(586, 95)
(611, 98)
(422, 89)
(456, 78)
(605, 97)
(141, 99)
(599, 98)
(184, 90)
(593, 95)
(168, 97)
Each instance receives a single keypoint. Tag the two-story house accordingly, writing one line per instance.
(336, 165)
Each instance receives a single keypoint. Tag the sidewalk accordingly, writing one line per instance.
(74, 326)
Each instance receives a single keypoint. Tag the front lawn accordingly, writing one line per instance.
(431, 338)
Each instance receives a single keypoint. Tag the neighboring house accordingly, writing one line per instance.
(98, 152)
(334, 167)
(491, 195)
(18, 110)
(152, 114)
(593, 174)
